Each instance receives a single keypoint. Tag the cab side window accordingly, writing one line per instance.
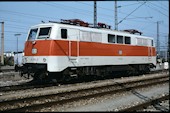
(64, 33)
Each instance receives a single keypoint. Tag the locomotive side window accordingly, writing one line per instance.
(32, 34)
(85, 36)
(139, 41)
(111, 38)
(96, 37)
(44, 33)
(119, 39)
(152, 42)
(127, 40)
(145, 42)
(64, 33)
(142, 42)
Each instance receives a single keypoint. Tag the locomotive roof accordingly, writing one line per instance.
(101, 30)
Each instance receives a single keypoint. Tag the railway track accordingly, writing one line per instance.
(37, 102)
(25, 86)
(154, 102)
(7, 70)
(35, 84)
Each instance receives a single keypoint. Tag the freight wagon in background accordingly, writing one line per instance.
(59, 50)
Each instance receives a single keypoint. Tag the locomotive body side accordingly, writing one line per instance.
(56, 47)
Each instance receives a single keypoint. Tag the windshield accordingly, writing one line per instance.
(44, 33)
(33, 33)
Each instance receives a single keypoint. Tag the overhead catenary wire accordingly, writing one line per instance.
(154, 9)
(58, 18)
(86, 11)
(36, 15)
(17, 25)
(130, 13)
(82, 13)
(16, 32)
(17, 21)
(153, 4)
(28, 14)
(111, 10)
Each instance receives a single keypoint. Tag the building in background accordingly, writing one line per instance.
(9, 54)
(10, 58)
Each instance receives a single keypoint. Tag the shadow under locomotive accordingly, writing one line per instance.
(81, 74)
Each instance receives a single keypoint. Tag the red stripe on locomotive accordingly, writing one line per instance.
(61, 48)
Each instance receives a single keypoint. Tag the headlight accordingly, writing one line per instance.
(34, 51)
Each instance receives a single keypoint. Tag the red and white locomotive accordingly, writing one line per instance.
(62, 49)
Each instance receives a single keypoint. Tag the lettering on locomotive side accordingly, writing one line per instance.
(34, 59)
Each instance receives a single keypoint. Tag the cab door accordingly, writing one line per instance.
(73, 37)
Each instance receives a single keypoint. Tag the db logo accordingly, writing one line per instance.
(44, 59)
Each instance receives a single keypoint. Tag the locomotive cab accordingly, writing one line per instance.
(36, 49)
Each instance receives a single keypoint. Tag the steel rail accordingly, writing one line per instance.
(153, 102)
(76, 95)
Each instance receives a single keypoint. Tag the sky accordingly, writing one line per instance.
(143, 16)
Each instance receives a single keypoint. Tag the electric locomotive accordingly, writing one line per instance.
(59, 50)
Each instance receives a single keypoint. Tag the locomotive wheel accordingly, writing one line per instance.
(147, 69)
(66, 78)
(40, 76)
(66, 75)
